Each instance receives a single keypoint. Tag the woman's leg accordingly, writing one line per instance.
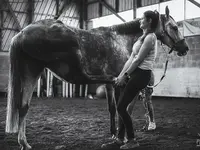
(139, 80)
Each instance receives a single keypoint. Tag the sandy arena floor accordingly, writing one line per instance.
(83, 124)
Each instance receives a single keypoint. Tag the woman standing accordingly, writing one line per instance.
(135, 76)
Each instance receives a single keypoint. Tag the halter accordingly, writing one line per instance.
(164, 32)
(175, 44)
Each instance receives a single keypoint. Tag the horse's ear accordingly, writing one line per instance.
(155, 11)
(167, 11)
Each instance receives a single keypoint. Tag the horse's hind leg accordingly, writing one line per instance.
(111, 107)
(31, 72)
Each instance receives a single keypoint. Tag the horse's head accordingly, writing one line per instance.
(169, 34)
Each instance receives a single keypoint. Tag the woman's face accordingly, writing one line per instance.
(144, 23)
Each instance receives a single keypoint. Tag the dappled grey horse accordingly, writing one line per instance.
(76, 56)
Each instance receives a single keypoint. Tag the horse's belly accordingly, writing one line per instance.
(65, 71)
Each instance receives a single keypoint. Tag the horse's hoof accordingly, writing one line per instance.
(27, 147)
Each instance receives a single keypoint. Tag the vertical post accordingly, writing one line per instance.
(81, 90)
(30, 11)
(83, 13)
(48, 77)
(51, 84)
(139, 3)
(63, 89)
(184, 9)
(100, 9)
(74, 90)
(134, 9)
(70, 90)
(83, 18)
(66, 89)
(184, 16)
(57, 9)
(1, 24)
(117, 5)
(38, 87)
(86, 90)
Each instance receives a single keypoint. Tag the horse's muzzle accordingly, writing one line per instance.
(181, 47)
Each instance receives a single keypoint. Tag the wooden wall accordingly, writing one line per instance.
(96, 9)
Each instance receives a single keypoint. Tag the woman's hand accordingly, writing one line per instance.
(120, 81)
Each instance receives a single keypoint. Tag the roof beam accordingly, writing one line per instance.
(111, 9)
(13, 15)
(195, 3)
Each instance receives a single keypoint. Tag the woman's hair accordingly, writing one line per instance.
(154, 16)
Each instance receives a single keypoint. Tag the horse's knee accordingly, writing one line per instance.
(23, 110)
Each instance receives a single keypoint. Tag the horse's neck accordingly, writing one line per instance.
(132, 27)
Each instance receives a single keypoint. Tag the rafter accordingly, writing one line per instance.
(13, 15)
(195, 3)
(111, 9)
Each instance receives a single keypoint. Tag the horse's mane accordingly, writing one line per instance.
(128, 27)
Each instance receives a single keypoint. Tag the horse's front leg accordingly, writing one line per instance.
(111, 107)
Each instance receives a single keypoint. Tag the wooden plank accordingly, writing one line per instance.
(15, 11)
(3, 71)
(106, 11)
(92, 11)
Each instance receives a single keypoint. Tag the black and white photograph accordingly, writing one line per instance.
(100, 74)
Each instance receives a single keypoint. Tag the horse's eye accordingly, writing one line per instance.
(175, 28)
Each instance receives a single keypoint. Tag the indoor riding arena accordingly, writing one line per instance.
(65, 114)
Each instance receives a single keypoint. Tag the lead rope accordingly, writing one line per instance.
(166, 64)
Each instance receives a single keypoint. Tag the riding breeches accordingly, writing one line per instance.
(139, 80)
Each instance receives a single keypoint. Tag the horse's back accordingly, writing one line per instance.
(47, 39)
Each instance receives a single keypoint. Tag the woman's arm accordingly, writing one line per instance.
(147, 45)
(127, 64)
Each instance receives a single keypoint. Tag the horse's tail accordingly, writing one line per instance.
(14, 87)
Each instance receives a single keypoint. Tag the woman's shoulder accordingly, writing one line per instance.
(151, 36)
